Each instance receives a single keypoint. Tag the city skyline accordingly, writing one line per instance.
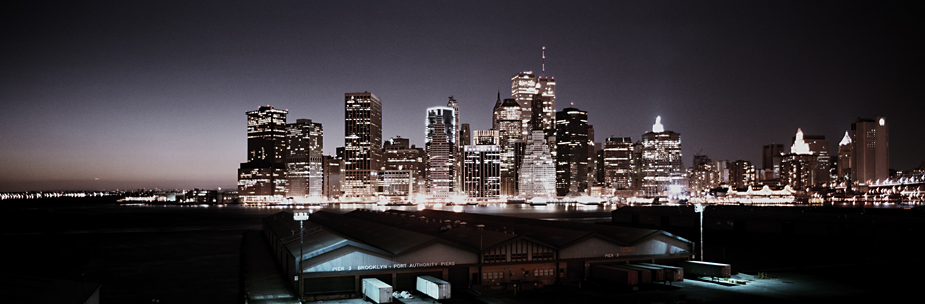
(128, 95)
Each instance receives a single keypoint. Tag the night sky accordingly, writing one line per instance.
(129, 94)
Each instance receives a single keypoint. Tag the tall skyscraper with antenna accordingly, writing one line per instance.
(536, 94)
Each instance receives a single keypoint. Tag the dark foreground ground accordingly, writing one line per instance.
(193, 255)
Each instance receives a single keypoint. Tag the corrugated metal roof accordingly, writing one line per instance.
(397, 232)
(391, 239)
(499, 229)
(317, 239)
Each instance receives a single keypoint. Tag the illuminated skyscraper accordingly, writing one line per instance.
(523, 91)
(536, 96)
(362, 145)
(538, 170)
(661, 160)
(871, 161)
(440, 146)
(458, 147)
(571, 151)
(262, 177)
(511, 142)
(618, 153)
(845, 154)
(304, 147)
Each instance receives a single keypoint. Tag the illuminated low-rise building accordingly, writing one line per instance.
(741, 174)
(400, 156)
(398, 184)
(482, 171)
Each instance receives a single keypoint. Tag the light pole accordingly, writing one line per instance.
(699, 209)
(301, 217)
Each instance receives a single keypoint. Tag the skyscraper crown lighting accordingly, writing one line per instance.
(657, 127)
(800, 146)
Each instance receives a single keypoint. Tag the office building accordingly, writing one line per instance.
(332, 176)
(843, 161)
(400, 156)
(871, 151)
(571, 152)
(482, 171)
(362, 145)
(263, 177)
(487, 137)
(770, 161)
(465, 134)
(523, 91)
(538, 170)
(617, 160)
(304, 148)
(510, 126)
(661, 161)
(440, 146)
(807, 164)
(741, 174)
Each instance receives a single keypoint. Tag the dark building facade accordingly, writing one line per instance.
(571, 151)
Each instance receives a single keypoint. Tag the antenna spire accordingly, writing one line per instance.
(544, 61)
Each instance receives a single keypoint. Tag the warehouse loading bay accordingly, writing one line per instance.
(809, 286)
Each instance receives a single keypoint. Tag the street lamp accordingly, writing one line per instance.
(699, 209)
(301, 217)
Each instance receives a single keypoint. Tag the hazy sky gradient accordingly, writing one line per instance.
(153, 93)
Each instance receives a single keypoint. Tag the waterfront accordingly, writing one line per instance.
(192, 254)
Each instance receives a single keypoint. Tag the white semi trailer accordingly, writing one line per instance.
(377, 291)
(434, 287)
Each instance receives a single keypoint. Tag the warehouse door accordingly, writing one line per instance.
(329, 285)
(459, 277)
(576, 271)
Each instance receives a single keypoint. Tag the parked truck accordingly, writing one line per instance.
(707, 269)
(672, 273)
(658, 273)
(434, 287)
(645, 274)
(615, 274)
(377, 291)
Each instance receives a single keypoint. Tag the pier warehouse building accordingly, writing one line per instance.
(465, 249)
